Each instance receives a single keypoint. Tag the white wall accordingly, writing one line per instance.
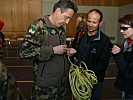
(47, 6)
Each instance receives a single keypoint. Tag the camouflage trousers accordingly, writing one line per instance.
(51, 93)
(8, 86)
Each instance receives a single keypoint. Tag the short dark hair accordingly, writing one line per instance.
(97, 11)
(64, 5)
(127, 19)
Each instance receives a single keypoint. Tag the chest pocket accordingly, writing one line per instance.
(52, 36)
(92, 56)
(53, 40)
(49, 39)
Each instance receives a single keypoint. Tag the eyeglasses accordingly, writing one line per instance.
(124, 28)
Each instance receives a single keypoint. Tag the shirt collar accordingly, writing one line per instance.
(48, 22)
(50, 25)
(96, 36)
(126, 47)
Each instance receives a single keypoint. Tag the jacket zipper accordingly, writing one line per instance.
(42, 70)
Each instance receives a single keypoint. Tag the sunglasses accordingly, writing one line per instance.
(124, 28)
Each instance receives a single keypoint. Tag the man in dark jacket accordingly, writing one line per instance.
(124, 57)
(45, 42)
(93, 48)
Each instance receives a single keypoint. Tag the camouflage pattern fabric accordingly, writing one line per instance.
(51, 93)
(32, 42)
(80, 25)
(8, 87)
(33, 38)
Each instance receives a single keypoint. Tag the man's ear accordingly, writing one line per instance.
(58, 10)
(101, 23)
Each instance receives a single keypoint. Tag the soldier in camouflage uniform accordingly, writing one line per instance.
(45, 42)
(8, 87)
(81, 22)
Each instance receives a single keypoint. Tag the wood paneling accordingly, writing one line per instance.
(124, 2)
(5, 14)
(26, 89)
(35, 9)
(18, 15)
(109, 92)
(25, 72)
(103, 2)
(71, 26)
(97, 2)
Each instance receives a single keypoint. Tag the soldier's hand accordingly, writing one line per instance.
(60, 49)
(71, 51)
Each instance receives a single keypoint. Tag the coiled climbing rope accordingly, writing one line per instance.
(81, 81)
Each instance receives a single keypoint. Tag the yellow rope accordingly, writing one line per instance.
(81, 81)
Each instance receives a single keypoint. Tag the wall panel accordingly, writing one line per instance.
(71, 26)
(103, 2)
(5, 14)
(97, 2)
(19, 14)
(35, 9)
(124, 2)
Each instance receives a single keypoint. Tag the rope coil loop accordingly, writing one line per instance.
(81, 81)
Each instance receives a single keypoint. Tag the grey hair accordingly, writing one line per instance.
(64, 5)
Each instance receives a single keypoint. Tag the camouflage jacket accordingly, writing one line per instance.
(8, 87)
(41, 37)
(80, 25)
